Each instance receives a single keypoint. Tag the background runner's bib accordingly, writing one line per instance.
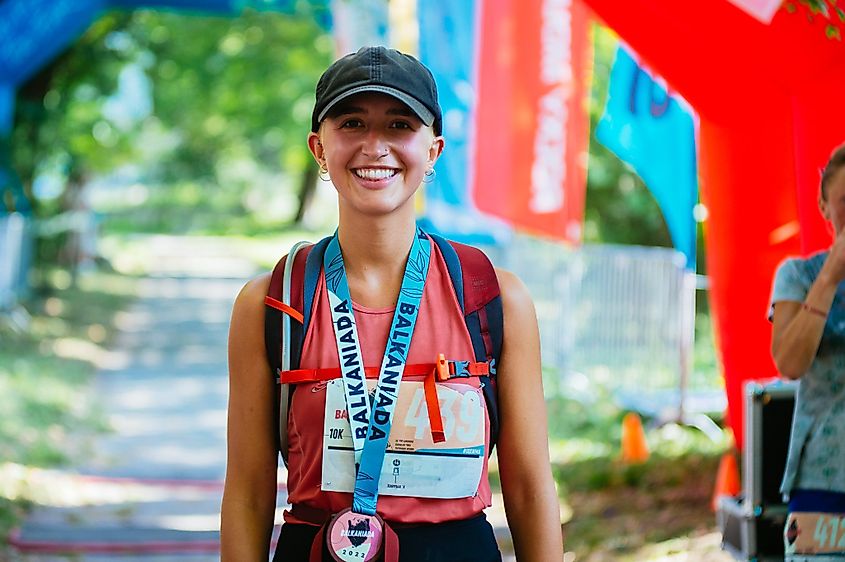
(414, 465)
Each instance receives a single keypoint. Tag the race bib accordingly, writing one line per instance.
(814, 533)
(414, 465)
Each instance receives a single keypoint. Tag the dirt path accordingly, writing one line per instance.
(150, 489)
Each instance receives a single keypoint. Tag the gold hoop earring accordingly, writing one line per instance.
(429, 175)
(324, 174)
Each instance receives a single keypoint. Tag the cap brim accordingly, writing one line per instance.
(419, 109)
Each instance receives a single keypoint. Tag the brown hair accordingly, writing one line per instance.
(836, 163)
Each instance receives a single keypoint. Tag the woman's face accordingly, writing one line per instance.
(833, 208)
(376, 151)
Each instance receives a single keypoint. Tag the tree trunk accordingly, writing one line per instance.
(307, 189)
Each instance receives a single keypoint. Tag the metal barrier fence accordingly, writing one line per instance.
(16, 248)
(622, 317)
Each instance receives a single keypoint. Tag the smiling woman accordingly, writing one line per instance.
(376, 151)
(403, 467)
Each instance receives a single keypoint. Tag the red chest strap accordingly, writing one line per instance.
(442, 370)
(456, 369)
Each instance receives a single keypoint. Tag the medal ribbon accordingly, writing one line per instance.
(370, 424)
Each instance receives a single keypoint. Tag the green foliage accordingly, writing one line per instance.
(47, 410)
(59, 126)
(240, 90)
(39, 403)
(706, 367)
(584, 420)
(43, 373)
(826, 9)
(217, 101)
(590, 432)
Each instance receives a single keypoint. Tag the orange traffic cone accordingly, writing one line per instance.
(727, 479)
(634, 446)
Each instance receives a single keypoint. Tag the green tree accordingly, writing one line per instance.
(228, 97)
(235, 97)
(59, 124)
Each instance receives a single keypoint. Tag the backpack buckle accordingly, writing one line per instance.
(442, 368)
(459, 368)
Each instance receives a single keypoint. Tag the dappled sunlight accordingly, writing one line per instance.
(180, 395)
(190, 522)
(172, 355)
(164, 255)
(134, 322)
(85, 350)
(578, 449)
(696, 548)
(64, 489)
(188, 422)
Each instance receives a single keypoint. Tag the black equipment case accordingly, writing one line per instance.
(752, 523)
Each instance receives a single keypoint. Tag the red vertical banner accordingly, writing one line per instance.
(531, 125)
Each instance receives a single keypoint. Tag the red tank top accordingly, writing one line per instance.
(440, 329)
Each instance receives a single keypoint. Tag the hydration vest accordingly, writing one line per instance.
(289, 306)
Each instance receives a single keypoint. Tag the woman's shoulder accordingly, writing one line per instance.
(508, 280)
(514, 292)
(251, 296)
(806, 268)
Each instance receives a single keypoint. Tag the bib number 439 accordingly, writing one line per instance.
(462, 415)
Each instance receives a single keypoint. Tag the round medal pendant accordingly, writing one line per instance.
(355, 537)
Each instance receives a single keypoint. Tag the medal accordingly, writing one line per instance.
(355, 537)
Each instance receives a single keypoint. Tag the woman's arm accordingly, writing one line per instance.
(531, 502)
(796, 329)
(796, 334)
(249, 495)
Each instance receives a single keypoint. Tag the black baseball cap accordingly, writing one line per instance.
(379, 69)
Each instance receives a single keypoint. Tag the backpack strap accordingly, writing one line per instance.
(284, 302)
(452, 369)
(313, 266)
(290, 295)
(477, 290)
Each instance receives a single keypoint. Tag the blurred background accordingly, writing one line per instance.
(153, 158)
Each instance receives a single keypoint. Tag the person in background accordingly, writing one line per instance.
(376, 133)
(808, 345)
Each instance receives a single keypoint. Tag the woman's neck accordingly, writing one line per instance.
(375, 241)
(375, 252)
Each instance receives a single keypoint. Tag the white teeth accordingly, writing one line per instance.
(374, 173)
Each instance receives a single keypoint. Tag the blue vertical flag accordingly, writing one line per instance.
(653, 130)
(448, 33)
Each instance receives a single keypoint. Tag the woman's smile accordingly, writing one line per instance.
(375, 175)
